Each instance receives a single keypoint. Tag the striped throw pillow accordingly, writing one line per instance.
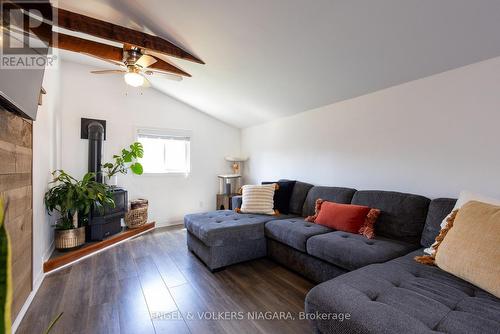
(258, 199)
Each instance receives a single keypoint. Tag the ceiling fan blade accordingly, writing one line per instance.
(145, 61)
(163, 75)
(163, 66)
(146, 83)
(108, 72)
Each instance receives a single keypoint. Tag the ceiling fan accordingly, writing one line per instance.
(134, 66)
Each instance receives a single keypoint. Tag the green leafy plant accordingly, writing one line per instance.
(69, 196)
(127, 160)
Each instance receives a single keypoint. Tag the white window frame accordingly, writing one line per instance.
(170, 134)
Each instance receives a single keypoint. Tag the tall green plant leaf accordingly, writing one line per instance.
(136, 168)
(126, 160)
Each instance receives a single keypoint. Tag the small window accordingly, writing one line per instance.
(165, 151)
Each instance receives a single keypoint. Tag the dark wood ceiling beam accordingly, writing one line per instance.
(76, 44)
(91, 26)
(85, 46)
(92, 48)
(80, 45)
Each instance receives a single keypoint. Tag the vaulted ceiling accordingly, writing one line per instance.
(271, 58)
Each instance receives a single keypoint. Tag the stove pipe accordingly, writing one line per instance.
(96, 138)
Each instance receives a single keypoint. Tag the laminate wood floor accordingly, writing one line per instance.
(153, 284)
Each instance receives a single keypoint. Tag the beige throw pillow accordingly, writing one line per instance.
(464, 197)
(258, 199)
(471, 247)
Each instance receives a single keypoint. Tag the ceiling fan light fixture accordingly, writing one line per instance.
(134, 79)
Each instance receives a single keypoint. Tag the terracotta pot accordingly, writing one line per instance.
(66, 239)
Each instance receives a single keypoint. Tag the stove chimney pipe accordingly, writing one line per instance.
(96, 138)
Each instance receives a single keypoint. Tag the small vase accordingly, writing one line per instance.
(112, 181)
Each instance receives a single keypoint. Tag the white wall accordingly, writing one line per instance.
(434, 136)
(125, 108)
(46, 158)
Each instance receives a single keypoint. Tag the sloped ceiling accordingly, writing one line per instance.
(271, 58)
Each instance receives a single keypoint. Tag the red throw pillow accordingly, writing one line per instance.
(342, 217)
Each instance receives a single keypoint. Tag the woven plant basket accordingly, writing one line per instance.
(139, 203)
(66, 239)
(135, 218)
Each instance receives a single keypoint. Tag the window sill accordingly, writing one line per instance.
(186, 175)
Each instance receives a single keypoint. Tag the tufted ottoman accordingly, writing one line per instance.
(221, 238)
(403, 296)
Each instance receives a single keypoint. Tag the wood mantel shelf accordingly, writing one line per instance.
(93, 247)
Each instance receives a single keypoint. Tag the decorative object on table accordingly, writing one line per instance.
(128, 159)
(236, 164)
(5, 273)
(74, 200)
(138, 213)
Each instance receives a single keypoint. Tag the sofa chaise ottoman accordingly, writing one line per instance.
(224, 237)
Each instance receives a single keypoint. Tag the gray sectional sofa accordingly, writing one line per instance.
(376, 282)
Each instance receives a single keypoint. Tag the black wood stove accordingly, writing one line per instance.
(102, 223)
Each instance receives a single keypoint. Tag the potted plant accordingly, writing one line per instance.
(73, 200)
(128, 159)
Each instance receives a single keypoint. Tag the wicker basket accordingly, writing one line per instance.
(135, 218)
(139, 203)
(67, 239)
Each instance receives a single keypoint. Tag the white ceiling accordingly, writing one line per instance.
(271, 58)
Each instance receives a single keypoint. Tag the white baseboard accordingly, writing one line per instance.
(171, 223)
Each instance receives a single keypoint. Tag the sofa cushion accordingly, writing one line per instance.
(402, 216)
(342, 217)
(332, 194)
(439, 208)
(293, 232)
(471, 247)
(258, 199)
(299, 194)
(222, 227)
(352, 251)
(282, 195)
(403, 296)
